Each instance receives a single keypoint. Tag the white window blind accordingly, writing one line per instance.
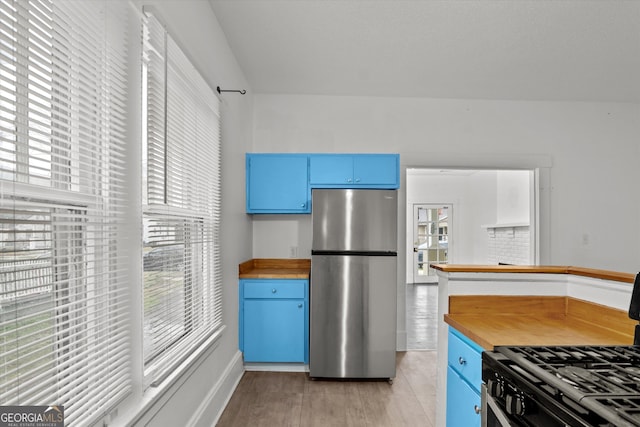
(63, 290)
(181, 215)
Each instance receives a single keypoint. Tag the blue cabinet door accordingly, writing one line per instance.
(274, 330)
(330, 169)
(277, 183)
(376, 169)
(463, 403)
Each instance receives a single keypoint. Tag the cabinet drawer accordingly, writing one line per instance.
(277, 289)
(465, 359)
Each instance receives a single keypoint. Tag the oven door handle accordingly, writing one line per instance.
(489, 404)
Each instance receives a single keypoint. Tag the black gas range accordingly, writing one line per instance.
(561, 386)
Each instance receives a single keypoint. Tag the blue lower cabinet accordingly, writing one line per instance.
(274, 320)
(464, 377)
(463, 402)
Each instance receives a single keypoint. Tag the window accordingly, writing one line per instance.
(181, 180)
(63, 287)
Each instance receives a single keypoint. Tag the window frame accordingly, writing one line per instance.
(158, 193)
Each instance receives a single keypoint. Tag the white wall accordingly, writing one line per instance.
(197, 397)
(589, 150)
(282, 236)
(513, 197)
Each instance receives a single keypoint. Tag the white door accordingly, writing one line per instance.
(431, 239)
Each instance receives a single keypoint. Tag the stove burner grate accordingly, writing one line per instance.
(590, 370)
(626, 407)
(605, 379)
(579, 354)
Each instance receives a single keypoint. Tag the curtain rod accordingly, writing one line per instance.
(241, 92)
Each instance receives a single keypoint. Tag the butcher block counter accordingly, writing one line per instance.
(492, 320)
(275, 268)
(542, 269)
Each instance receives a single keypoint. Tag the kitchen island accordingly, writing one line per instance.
(488, 306)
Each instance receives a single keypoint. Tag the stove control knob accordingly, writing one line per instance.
(514, 405)
(495, 387)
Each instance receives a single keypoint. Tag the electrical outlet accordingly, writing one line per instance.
(293, 251)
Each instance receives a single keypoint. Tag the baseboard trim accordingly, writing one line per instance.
(401, 341)
(212, 407)
(276, 367)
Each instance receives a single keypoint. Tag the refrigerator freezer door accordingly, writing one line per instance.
(354, 220)
(353, 317)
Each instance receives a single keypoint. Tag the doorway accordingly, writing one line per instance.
(491, 218)
(462, 216)
(431, 231)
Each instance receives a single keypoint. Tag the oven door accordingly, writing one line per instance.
(491, 413)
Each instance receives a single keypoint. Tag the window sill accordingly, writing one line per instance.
(155, 396)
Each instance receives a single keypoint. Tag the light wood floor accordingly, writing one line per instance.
(273, 399)
(422, 316)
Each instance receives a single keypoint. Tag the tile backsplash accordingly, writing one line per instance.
(509, 245)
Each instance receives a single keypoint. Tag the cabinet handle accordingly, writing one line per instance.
(461, 360)
(300, 305)
(357, 179)
(349, 180)
(274, 290)
(476, 409)
(302, 205)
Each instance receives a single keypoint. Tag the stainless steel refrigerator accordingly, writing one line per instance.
(353, 284)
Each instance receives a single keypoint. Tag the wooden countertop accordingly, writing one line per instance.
(548, 269)
(492, 320)
(275, 268)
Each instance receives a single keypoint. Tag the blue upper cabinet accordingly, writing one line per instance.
(282, 182)
(278, 183)
(354, 171)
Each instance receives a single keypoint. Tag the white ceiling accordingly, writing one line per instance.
(566, 50)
